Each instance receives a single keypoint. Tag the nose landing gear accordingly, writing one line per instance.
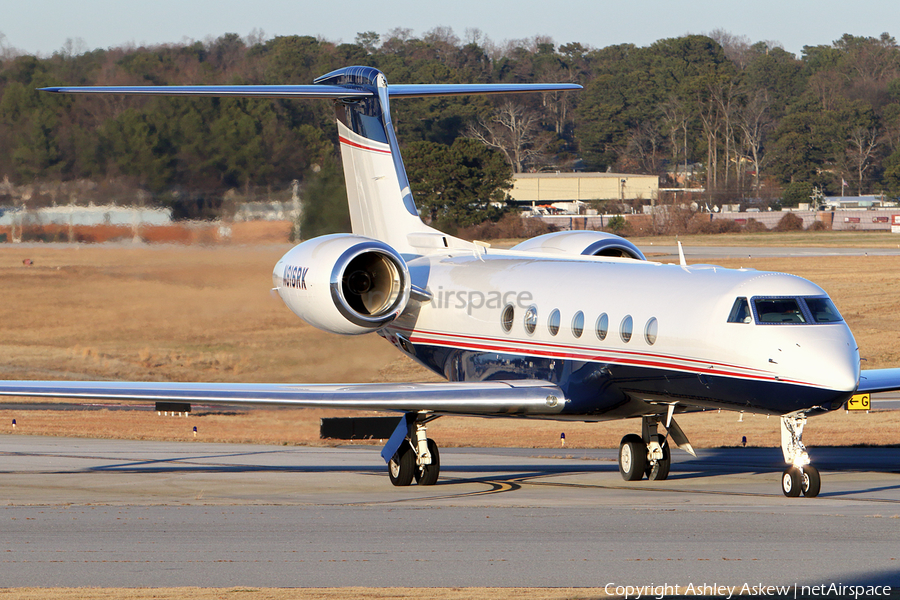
(800, 476)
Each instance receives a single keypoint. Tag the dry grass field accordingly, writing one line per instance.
(206, 314)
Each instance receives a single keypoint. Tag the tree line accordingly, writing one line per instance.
(749, 120)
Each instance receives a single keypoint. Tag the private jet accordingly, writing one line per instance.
(571, 325)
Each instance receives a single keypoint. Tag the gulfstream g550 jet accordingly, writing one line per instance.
(569, 325)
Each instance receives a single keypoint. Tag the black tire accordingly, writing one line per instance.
(428, 474)
(790, 482)
(402, 466)
(632, 457)
(660, 471)
(810, 481)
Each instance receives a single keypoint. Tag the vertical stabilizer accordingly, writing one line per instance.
(381, 203)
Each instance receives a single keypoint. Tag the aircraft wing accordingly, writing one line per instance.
(879, 380)
(483, 398)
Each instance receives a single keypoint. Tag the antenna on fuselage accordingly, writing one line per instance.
(681, 255)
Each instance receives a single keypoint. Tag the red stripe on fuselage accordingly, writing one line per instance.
(596, 355)
(613, 351)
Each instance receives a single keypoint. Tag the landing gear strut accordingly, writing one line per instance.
(416, 458)
(646, 454)
(800, 476)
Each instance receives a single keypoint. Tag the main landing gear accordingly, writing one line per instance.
(417, 458)
(648, 454)
(800, 476)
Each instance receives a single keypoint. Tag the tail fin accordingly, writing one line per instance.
(381, 203)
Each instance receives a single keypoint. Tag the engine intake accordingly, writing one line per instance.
(344, 283)
(368, 285)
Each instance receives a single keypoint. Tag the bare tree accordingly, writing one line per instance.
(754, 121)
(644, 149)
(7, 52)
(395, 39)
(724, 95)
(711, 119)
(675, 118)
(736, 47)
(256, 37)
(441, 35)
(827, 86)
(557, 104)
(515, 131)
(860, 150)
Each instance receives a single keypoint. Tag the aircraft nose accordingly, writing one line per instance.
(827, 358)
(842, 366)
(845, 376)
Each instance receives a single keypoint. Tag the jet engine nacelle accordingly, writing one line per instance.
(343, 283)
(584, 243)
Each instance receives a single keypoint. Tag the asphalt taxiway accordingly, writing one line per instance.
(78, 512)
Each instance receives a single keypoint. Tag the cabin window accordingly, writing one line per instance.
(553, 322)
(578, 324)
(507, 316)
(531, 319)
(626, 328)
(778, 310)
(823, 310)
(651, 331)
(602, 326)
(740, 312)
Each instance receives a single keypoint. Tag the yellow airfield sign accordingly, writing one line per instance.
(859, 402)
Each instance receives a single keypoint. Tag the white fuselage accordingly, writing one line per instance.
(679, 326)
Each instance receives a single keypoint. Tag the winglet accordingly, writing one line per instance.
(681, 255)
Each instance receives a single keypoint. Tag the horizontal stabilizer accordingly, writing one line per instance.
(879, 380)
(237, 91)
(313, 91)
(423, 90)
(482, 398)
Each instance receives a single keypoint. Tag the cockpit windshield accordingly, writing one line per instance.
(740, 312)
(793, 311)
(823, 310)
(778, 310)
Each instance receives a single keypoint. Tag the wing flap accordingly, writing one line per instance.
(482, 398)
(879, 380)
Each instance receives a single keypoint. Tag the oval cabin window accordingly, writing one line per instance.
(651, 331)
(578, 324)
(626, 328)
(531, 319)
(602, 326)
(553, 322)
(507, 316)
